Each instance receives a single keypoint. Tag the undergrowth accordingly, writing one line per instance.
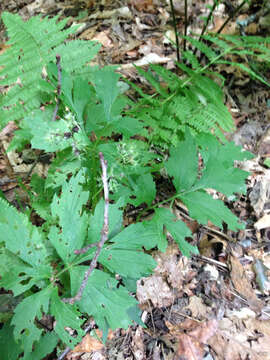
(77, 114)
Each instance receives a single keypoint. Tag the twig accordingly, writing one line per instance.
(68, 349)
(186, 24)
(104, 233)
(85, 249)
(231, 16)
(175, 31)
(209, 18)
(59, 84)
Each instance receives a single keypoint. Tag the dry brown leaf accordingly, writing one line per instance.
(143, 5)
(104, 39)
(191, 336)
(243, 285)
(91, 343)
(190, 348)
(156, 290)
(197, 307)
(170, 267)
(88, 344)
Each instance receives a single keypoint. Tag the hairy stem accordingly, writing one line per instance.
(104, 234)
(59, 85)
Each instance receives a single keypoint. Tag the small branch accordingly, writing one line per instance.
(186, 24)
(175, 31)
(216, 2)
(104, 233)
(59, 85)
(231, 16)
(85, 249)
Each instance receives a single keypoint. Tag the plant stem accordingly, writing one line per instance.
(59, 85)
(231, 16)
(104, 234)
(175, 31)
(209, 18)
(186, 24)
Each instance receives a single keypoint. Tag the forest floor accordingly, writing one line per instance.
(215, 306)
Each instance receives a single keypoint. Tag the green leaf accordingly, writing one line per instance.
(219, 172)
(134, 237)
(66, 315)
(24, 318)
(178, 229)
(132, 263)
(226, 180)
(204, 208)
(45, 345)
(25, 252)
(22, 277)
(68, 209)
(64, 164)
(183, 163)
(105, 82)
(81, 97)
(103, 299)
(267, 162)
(144, 190)
(10, 349)
(97, 220)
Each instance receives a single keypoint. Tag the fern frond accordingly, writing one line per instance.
(34, 44)
(204, 49)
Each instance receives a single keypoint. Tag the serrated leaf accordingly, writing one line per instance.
(68, 209)
(81, 97)
(134, 237)
(178, 229)
(24, 318)
(144, 190)
(64, 164)
(183, 163)
(96, 221)
(45, 345)
(132, 263)
(227, 153)
(66, 315)
(102, 299)
(105, 82)
(204, 208)
(49, 135)
(21, 237)
(225, 180)
(219, 172)
(22, 277)
(10, 349)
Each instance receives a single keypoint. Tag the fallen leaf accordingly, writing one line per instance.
(197, 307)
(191, 337)
(143, 5)
(263, 222)
(243, 286)
(89, 343)
(156, 290)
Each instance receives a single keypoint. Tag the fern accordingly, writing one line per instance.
(195, 100)
(34, 44)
